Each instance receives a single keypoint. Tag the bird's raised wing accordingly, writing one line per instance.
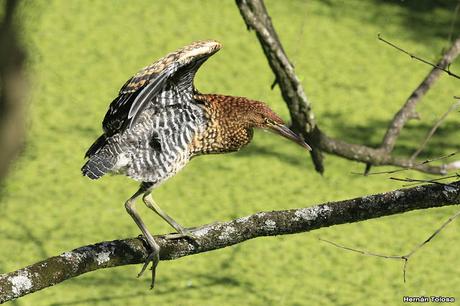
(168, 80)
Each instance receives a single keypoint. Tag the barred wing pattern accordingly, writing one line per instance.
(163, 137)
(138, 93)
(149, 126)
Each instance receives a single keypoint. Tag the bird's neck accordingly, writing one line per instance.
(224, 130)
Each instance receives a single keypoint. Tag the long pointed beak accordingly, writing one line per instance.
(286, 132)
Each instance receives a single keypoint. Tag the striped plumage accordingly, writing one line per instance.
(149, 125)
(152, 150)
(159, 121)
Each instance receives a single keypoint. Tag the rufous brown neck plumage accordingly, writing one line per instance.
(231, 121)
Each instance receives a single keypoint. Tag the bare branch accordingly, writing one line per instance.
(406, 111)
(411, 180)
(405, 257)
(379, 157)
(413, 183)
(256, 18)
(57, 269)
(379, 36)
(434, 128)
(443, 168)
(363, 252)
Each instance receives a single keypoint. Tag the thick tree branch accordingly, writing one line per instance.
(303, 120)
(222, 234)
(378, 157)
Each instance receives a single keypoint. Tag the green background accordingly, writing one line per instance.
(81, 52)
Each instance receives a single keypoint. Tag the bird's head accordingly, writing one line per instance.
(259, 115)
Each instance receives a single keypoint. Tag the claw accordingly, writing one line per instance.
(154, 257)
(152, 285)
(146, 263)
(154, 270)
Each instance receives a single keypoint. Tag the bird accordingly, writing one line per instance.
(159, 121)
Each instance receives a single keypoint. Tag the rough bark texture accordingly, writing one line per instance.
(70, 264)
(256, 18)
(222, 234)
(303, 120)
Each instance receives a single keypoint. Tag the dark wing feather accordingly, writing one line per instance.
(116, 116)
(146, 95)
(99, 143)
(175, 69)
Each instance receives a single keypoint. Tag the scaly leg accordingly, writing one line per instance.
(154, 256)
(182, 231)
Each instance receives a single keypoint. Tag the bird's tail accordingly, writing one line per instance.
(100, 160)
(96, 167)
(100, 142)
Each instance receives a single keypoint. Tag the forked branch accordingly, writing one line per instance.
(407, 111)
(256, 18)
(405, 257)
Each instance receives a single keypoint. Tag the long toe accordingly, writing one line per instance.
(185, 233)
(153, 258)
(188, 232)
(154, 271)
(144, 267)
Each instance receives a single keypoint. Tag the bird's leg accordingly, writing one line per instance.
(181, 231)
(154, 256)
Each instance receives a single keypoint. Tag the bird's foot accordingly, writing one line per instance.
(182, 233)
(153, 257)
(187, 232)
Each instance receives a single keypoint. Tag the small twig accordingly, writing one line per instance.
(218, 235)
(408, 109)
(303, 120)
(405, 257)
(434, 128)
(411, 180)
(457, 175)
(367, 169)
(436, 232)
(275, 82)
(427, 161)
(363, 252)
(379, 36)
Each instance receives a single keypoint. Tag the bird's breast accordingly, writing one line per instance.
(220, 137)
